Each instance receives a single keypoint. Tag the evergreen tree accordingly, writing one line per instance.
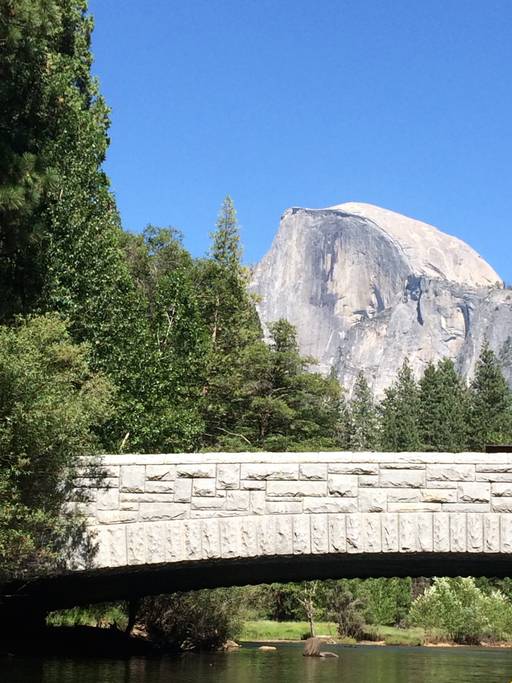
(399, 411)
(231, 319)
(363, 428)
(490, 412)
(278, 404)
(443, 408)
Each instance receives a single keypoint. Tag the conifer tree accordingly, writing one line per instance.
(490, 413)
(443, 408)
(363, 429)
(399, 412)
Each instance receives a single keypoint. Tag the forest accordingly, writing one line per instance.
(112, 341)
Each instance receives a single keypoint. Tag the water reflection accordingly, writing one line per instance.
(356, 665)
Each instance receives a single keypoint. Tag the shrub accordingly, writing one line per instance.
(199, 620)
(462, 611)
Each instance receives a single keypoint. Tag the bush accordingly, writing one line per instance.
(348, 614)
(50, 405)
(462, 611)
(199, 620)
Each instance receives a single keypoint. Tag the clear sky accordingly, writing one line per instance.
(402, 103)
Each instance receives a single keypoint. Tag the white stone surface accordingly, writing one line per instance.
(171, 508)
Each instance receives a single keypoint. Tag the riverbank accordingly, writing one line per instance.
(263, 630)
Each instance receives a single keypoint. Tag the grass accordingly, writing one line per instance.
(296, 630)
(96, 615)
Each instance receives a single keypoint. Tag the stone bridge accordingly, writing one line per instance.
(177, 522)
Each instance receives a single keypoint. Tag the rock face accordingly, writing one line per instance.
(367, 287)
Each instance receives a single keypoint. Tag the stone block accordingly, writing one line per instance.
(208, 503)
(466, 507)
(192, 539)
(407, 532)
(372, 541)
(390, 538)
(183, 490)
(107, 499)
(402, 478)
(441, 527)
(372, 500)
(116, 516)
(133, 478)
(353, 468)
(491, 523)
(153, 512)
(506, 533)
(494, 476)
(319, 534)
(397, 495)
(313, 471)
(196, 471)
(475, 529)
(344, 485)
(175, 542)
(474, 492)
(458, 532)
(257, 502)
(502, 504)
(284, 535)
(450, 473)
(296, 488)
(210, 539)
(237, 500)
(425, 537)
(368, 480)
(495, 467)
(415, 507)
(248, 537)
(203, 487)
(156, 542)
(402, 465)
(301, 535)
(136, 544)
(253, 484)
(228, 476)
(273, 472)
(438, 495)
(283, 507)
(266, 531)
(332, 504)
(160, 472)
(354, 531)
(502, 489)
(337, 534)
(114, 540)
(159, 486)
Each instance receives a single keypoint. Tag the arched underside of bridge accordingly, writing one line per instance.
(125, 583)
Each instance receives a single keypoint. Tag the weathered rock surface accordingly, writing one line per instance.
(367, 287)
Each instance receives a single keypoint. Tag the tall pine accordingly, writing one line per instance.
(363, 427)
(443, 415)
(490, 412)
(399, 412)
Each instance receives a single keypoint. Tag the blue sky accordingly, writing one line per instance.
(402, 103)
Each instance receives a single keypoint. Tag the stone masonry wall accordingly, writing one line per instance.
(170, 508)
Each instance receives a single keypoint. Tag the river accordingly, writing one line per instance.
(286, 665)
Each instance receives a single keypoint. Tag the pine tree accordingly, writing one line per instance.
(399, 412)
(490, 413)
(443, 409)
(363, 429)
(231, 319)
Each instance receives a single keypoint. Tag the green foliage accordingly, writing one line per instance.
(443, 408)
(400, 414)
(490, 409)
(462, 611)
(363, 426)
(277, 404)
(202, 620)
(51, 406)
(347, 610)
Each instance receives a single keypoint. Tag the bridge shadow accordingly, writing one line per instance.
(126, 583)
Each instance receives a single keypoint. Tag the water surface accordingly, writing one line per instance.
(287, 665)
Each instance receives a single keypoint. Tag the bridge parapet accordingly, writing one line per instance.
(173, 508)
